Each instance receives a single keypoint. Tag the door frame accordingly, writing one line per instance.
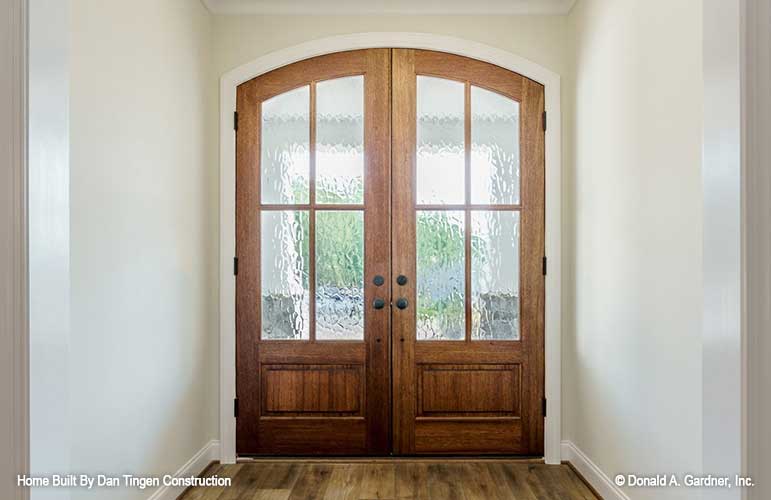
(227, 291)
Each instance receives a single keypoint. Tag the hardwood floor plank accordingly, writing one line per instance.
(281, 476)
(378, 482)
(441, 484)
(271, 495)
(345, 482)
(411, 481)
(477, 484)
(244, 484)
(213, 493)
(421, 479)
(312, 482)
(512, 478)
(569, 485)
(544, 490)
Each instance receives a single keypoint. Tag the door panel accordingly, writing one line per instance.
(390, 236)
(312, 213)
(468, 224)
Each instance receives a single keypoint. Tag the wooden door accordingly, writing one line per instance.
(468, 243)
(312, 237)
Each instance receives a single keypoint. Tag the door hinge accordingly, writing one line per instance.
(235, 407)
(543, 268)
(544, 121)
(544, 407)
(235, 266)
(235, 120)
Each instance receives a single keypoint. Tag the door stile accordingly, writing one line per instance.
(533, 283)
(403, 245)
(248, 304)
(377, 217)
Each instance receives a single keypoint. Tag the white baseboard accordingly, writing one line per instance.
(591, 472)
(209, 453)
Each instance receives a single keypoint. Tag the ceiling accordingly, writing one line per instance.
(389, 6)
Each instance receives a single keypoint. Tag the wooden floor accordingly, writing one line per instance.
(425, 480)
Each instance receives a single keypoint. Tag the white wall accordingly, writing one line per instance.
(633, 220)
(143, 234)
(240, 39)
(49, 242)
(722, 370)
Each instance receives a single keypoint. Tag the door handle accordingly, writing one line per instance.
(378, 303)
(401, 303)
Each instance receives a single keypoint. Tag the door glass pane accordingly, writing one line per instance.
(440, 137)
(440, 285)
(284, 267)
(340, 140)
(340, 275)
(495, 275)
(494, 148)
(285, 156)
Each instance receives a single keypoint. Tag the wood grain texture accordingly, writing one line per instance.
(301, 397)
(404, 480)
(298, 389)
(248, 304)
(403, 149)
(490, 401)
(532, 250)
(473, 390)
(377, 254)
(464, 69)
(467, 435)
(467, 391)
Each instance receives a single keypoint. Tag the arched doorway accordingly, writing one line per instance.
(390, 243)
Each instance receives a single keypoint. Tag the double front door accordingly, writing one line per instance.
(390, 243)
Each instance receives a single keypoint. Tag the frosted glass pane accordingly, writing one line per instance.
(285, 292)
(340, 140)
(285, 155)
(440, 285)
(495, 275)
(340, 275)
(440, 141)
(494, 148)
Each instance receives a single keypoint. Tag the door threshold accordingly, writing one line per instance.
(394, 459)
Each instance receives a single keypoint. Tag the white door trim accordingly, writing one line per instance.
(724, 354)
(228, 84)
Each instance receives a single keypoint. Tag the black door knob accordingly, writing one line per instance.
(401, 280)
(378, 303)
(378, 280)
(401, 303)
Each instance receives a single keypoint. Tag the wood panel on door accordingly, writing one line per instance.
(312, 233)
(468, 239)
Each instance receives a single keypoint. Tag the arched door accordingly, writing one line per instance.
(468, 237)
(312, 233)
(390, 223)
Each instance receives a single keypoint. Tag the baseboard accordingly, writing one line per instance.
(593, 475)
(209, 453)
